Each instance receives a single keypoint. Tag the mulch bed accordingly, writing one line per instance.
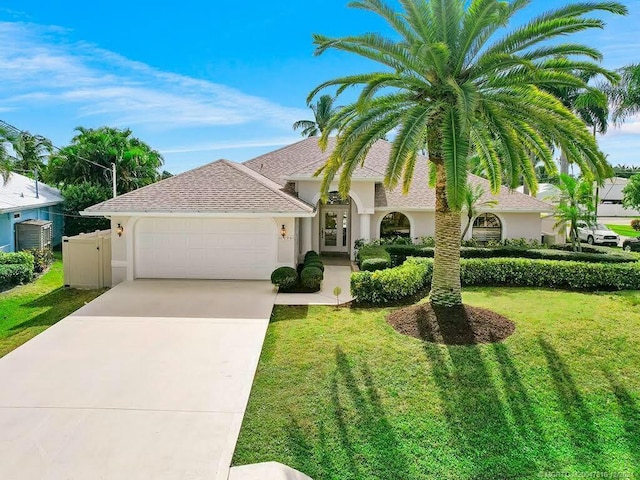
(463, 325)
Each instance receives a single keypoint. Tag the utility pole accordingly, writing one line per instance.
(113, 179)
(35, 176)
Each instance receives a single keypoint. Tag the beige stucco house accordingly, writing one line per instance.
(229, 220)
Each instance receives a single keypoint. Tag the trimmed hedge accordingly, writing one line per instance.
(13, 274)
(17, 258)
(399, 253)
(284, 277)
(311, 277)
(15, 268)
(392, 284)
(386, 286)
(551, 274)
(373, 257)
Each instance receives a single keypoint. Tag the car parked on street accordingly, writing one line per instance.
(597, 234)
(631, 245)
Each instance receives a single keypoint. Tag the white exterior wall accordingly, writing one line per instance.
(616, 210)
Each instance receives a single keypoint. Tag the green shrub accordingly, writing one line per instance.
(399, 253)
(373, 264)
(15, 273)
(567, 247)
(311, 253)
(17, 258)
(392, 284)
(43, 257)
(284, 277)
(311, 277)
(552, 274)
(371, 258)
(314, 263)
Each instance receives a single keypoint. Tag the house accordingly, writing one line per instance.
(610, 199)
(231, 220)
(23, 199)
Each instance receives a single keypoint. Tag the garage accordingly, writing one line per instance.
(205, 248)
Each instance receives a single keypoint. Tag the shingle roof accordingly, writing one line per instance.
(305, 157)
(19, 193)
(218, 187)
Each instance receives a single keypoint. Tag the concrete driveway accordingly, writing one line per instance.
(148, 381)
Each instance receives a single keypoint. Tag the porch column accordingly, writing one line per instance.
(365, 226)
(306, 233)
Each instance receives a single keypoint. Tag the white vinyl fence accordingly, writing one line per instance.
(87, 260)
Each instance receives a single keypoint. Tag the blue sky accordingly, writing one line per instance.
(204, 80)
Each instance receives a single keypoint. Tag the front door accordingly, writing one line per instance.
(334, 228)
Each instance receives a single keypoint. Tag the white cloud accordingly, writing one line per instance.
(38, 66)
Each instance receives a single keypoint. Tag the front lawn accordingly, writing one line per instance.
(340, 395)
(27, 310)
(624, 230)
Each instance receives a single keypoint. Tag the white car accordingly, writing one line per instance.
(597, 234)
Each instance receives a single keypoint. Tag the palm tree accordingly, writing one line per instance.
(625, 95)
(590, 104)
(31, 152)
(472, 196)
(323, 110)
(5, 163)
(576, 204)
(451, 84)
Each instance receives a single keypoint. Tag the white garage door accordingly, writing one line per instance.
(243, 249)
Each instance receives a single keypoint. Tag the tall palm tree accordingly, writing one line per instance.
(451, 84)
(590, 104)
(625, 95)
(5, 163)
(30, 152)
(323, 110)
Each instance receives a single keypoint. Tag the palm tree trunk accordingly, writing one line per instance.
(564, 163)
(466, 228)
(446, 290)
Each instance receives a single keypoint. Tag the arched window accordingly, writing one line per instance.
(487, 227)
(334, 198)
(395, 224)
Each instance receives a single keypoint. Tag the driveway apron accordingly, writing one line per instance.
(149, 381)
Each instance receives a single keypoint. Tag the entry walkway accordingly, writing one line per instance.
(336, 274)
(150, 381)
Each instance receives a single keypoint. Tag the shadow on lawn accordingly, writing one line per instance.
(359, 441)
(502, 430)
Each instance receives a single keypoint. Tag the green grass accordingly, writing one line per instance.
(624, 230)
(27, 310)
(340, 395)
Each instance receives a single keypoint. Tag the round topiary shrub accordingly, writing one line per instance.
(309, 254)
(284, 277)
(311, 277)
(314, 263)
(635, 224)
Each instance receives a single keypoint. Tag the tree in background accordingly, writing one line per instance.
(5, 163)
(30, 153)
(631, 193)
(78, 197)
(625, 95)
(472, 203)
(590, 104)
(576, 204)
(625, 171)
(323, 110)
(82, 170)
(449, 83)
(89, 157)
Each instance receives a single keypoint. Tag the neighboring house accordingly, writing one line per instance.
(20, 200)
(610, 195)
(240, 221)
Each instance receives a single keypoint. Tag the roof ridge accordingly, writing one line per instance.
(270, 184)
(276, 150)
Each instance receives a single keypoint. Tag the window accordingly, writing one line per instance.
(487, 227)
(395, 224)
(336, 199)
